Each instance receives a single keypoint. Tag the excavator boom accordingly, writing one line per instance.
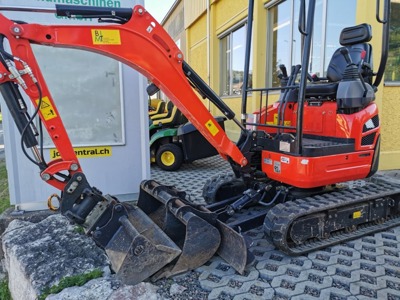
(136, 246)
(141, 43)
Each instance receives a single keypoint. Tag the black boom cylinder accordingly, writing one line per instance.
(90, 11)
(14, 100)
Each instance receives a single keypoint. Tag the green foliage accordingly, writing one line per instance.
(4, 195)
(4, 291)
(79, 229)
(77, 280)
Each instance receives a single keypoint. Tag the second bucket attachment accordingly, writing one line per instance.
(191, 229)
(137, 248)
(136, 255)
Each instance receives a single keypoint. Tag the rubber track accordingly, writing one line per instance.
(280, 217)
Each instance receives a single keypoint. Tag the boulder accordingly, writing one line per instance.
(38, 255)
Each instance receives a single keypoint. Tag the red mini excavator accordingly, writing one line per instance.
(286, 168)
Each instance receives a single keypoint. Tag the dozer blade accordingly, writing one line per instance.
(234, 248)
(191, 229)
(139, 248)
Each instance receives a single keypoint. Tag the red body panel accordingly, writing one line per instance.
(321, 120)
(310, 172)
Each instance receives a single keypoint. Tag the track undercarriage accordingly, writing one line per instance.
(294, 222)
(297, 223)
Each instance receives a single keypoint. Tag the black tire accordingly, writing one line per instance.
(169, 157)
(221, 187)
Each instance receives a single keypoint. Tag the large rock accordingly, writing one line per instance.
(107, 288)
(96, 289)
(38, 255)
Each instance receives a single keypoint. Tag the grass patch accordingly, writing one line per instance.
(4, 291)
(79, 229)
(4, 193)
(77, 280)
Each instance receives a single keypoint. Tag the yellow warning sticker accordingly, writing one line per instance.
(85, 152)
(106, 37)
(275, 122)
(212, 128)
(46, 108)
(357, 214)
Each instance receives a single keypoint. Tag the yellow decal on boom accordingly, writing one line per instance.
(85, 152)
(212, 128)
(46, 108)
(357, 214)
(106, 37)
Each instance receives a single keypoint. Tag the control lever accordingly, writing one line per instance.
(283, 76)
(283, 99)
(315, 78)
(283, 70)
(361, 65)
(345, 52)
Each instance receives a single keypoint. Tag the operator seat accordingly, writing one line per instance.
(158, 105)
(355, 39)
(172, 118)
(165, 113)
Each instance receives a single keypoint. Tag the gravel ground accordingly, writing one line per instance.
(182, 287)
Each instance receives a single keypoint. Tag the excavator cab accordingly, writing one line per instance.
(343, 96)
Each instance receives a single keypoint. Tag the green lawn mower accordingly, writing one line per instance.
(173, 146)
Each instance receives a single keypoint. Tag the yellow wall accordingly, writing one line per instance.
(197, 46)
(387, 97)
(222, 15)
(228, 13)
(390, 128)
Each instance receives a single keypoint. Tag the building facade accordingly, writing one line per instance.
(214, 44)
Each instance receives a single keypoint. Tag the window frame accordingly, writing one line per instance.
(322, 52)
(229, 34)
(391, 82)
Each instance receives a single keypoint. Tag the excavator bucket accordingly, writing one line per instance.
(139, 248)
(191, 229)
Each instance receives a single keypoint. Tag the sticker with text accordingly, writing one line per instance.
(106, 37)
(212, 128)
(85, 152)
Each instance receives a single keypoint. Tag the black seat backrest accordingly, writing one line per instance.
(355, 39)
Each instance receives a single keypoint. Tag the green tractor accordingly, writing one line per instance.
(174, 141)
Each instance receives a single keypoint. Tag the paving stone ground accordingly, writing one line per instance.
(366, 268)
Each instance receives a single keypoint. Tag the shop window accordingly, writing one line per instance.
(285, 41)
(392, 72)
(233, 45)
